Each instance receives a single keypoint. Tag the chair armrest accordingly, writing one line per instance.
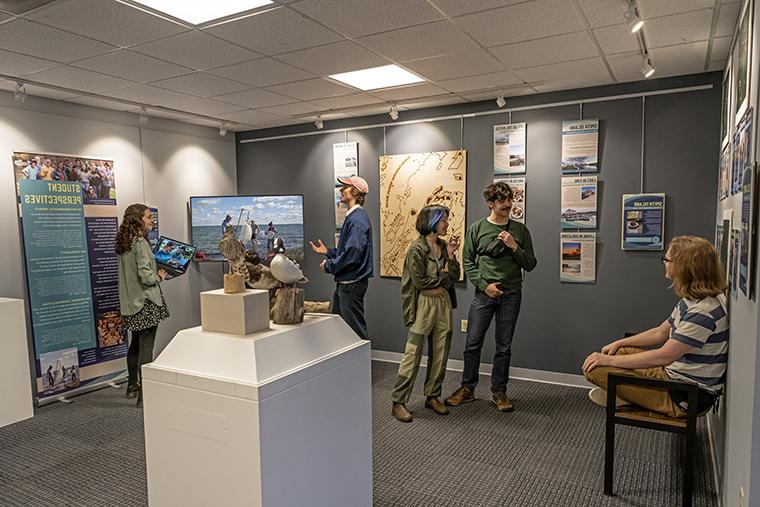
(615, 379)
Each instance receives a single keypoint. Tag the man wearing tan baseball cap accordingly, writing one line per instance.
(351, 262)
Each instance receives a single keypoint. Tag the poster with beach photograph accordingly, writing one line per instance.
(508, 149)
(580, 146)
(60, 371)
(741, 59)
(518, 198)
(345, 165)
(577, 262)
(578, 205)
(643, 222)
(257, 219)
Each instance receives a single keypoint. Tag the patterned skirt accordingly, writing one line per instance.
(149, 316)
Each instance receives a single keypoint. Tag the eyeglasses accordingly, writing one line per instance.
(665, 259)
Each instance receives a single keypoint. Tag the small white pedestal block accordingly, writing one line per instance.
(282, 417)
(241, 313)
(15, 383)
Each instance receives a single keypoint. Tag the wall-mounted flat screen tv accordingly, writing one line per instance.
(258, 221)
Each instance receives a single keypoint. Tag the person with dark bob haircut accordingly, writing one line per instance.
(141, 301)
(690, 346)
(430, 271)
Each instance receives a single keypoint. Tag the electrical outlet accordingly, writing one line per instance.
(463, 325)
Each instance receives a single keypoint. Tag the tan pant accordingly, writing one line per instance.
(656, 400)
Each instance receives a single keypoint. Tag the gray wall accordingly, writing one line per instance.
(559, 323)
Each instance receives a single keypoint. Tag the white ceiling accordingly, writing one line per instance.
(271, 68)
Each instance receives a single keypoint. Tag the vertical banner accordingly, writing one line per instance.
(746, 232)
(577, 257)
(345, 165)
(578, 205)
(643, 222)
(734, 272)
(518, 198)
(580, 146)
(508, 149)
(67, 206)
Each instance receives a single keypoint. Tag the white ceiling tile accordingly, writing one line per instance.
(262, 72)
(655, 8)
(410, 92)
(728, 18)
(208, 107)
(626, 66)
(133, 66)
(197, 50)
(22, 6)
(335, 58)
(560, 48)
(251, 117)
(312, 89)
(680, 28)
(482, 82)
(679, 60)
(466, 63)
(432, 39)
(357, 99)
(255, 99)
(603, 12)
(39, 91)
(104, 104)
(365, 17)
(719, 65)
(107, 20)
(47, 42)
(720, 48)
(454, 8)
(150, 95)
(616, 39)
(14, 64)
(200, 84)
(566, 75)
(79, 80)
(296, 109)
(276, 31)
(521, 22)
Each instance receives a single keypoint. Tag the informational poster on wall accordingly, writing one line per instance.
(723, 241)
(153, 235)
(518, 198)
(577, 257)
(580, 146)
(345, 165)
(578, 205)
(69, 227)
(643, 222)
(746, 231)
(741, 62)
(508, 149)
(742, 156)
(725, 172)
(407, 184)
(734, 270)
(727, 112)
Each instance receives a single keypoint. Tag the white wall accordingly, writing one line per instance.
(160, 164)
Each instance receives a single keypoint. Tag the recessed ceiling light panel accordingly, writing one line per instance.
(376, 78)
(198, 12)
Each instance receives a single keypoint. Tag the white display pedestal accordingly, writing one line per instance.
(15, 383)
(281, 417)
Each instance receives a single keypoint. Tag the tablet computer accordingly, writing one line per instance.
(173, 256)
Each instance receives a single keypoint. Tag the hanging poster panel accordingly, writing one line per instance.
(153, 235)
(579, 202)
(407, 184)
(725, 172)
(345, 165)
(508, 149)
(643, 222)
(577, 257)
(580, 145)
(68, 212)
(741, 62)
(734, 271)
(518, 198)
(727, 112)
(742, 156)
(746, 232)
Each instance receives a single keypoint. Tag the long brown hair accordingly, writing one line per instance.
(696, 270)
(131, 227)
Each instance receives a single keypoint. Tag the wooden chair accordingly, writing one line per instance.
(642, 418)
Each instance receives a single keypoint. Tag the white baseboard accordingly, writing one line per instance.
(714, 458)
(548, 377)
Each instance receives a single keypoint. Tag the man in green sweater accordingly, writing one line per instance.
(496, 251)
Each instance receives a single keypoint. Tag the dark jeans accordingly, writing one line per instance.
(140, 352)
(348, 302)
(506, 307)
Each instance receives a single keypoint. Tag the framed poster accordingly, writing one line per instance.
(518, 198)
(580, 146)
(345, 165)
(508, 149)
(577, 257)
(727, 111)
(643, 222)
(741, 59)
(578, 206)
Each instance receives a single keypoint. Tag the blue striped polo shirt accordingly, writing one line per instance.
(703, 324)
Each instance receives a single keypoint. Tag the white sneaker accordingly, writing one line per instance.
(599, 396)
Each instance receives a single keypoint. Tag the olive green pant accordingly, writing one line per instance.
(432, 321)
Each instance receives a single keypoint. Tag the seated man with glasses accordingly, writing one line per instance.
(691, 345)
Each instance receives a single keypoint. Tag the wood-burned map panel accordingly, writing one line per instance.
(407, 184)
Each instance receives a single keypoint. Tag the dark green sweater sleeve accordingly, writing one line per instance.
(524, 255)
(470, 259)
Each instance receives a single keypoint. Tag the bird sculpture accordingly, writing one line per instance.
(234, 252)
(282, 267)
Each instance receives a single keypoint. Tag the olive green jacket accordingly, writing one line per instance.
(137, 278)
(421, 273)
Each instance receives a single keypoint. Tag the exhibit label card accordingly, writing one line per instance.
(345, 165)
(577, 257)
(643, 222)
(518, 198)
(579, 202)
(508, 149)
(580, 145)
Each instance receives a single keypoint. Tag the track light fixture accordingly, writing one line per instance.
(222, 129)
(143, 116)
(19, 94)
(319, 123)
(632, 18)
(647, 68)
(393, 113)
(500, 100)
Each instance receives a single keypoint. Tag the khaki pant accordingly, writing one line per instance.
(656, 400)
(434, 321)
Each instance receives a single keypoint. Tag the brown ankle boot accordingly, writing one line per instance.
(436, 406)
(401, 413)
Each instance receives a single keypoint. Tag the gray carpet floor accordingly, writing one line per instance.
(548, 452)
